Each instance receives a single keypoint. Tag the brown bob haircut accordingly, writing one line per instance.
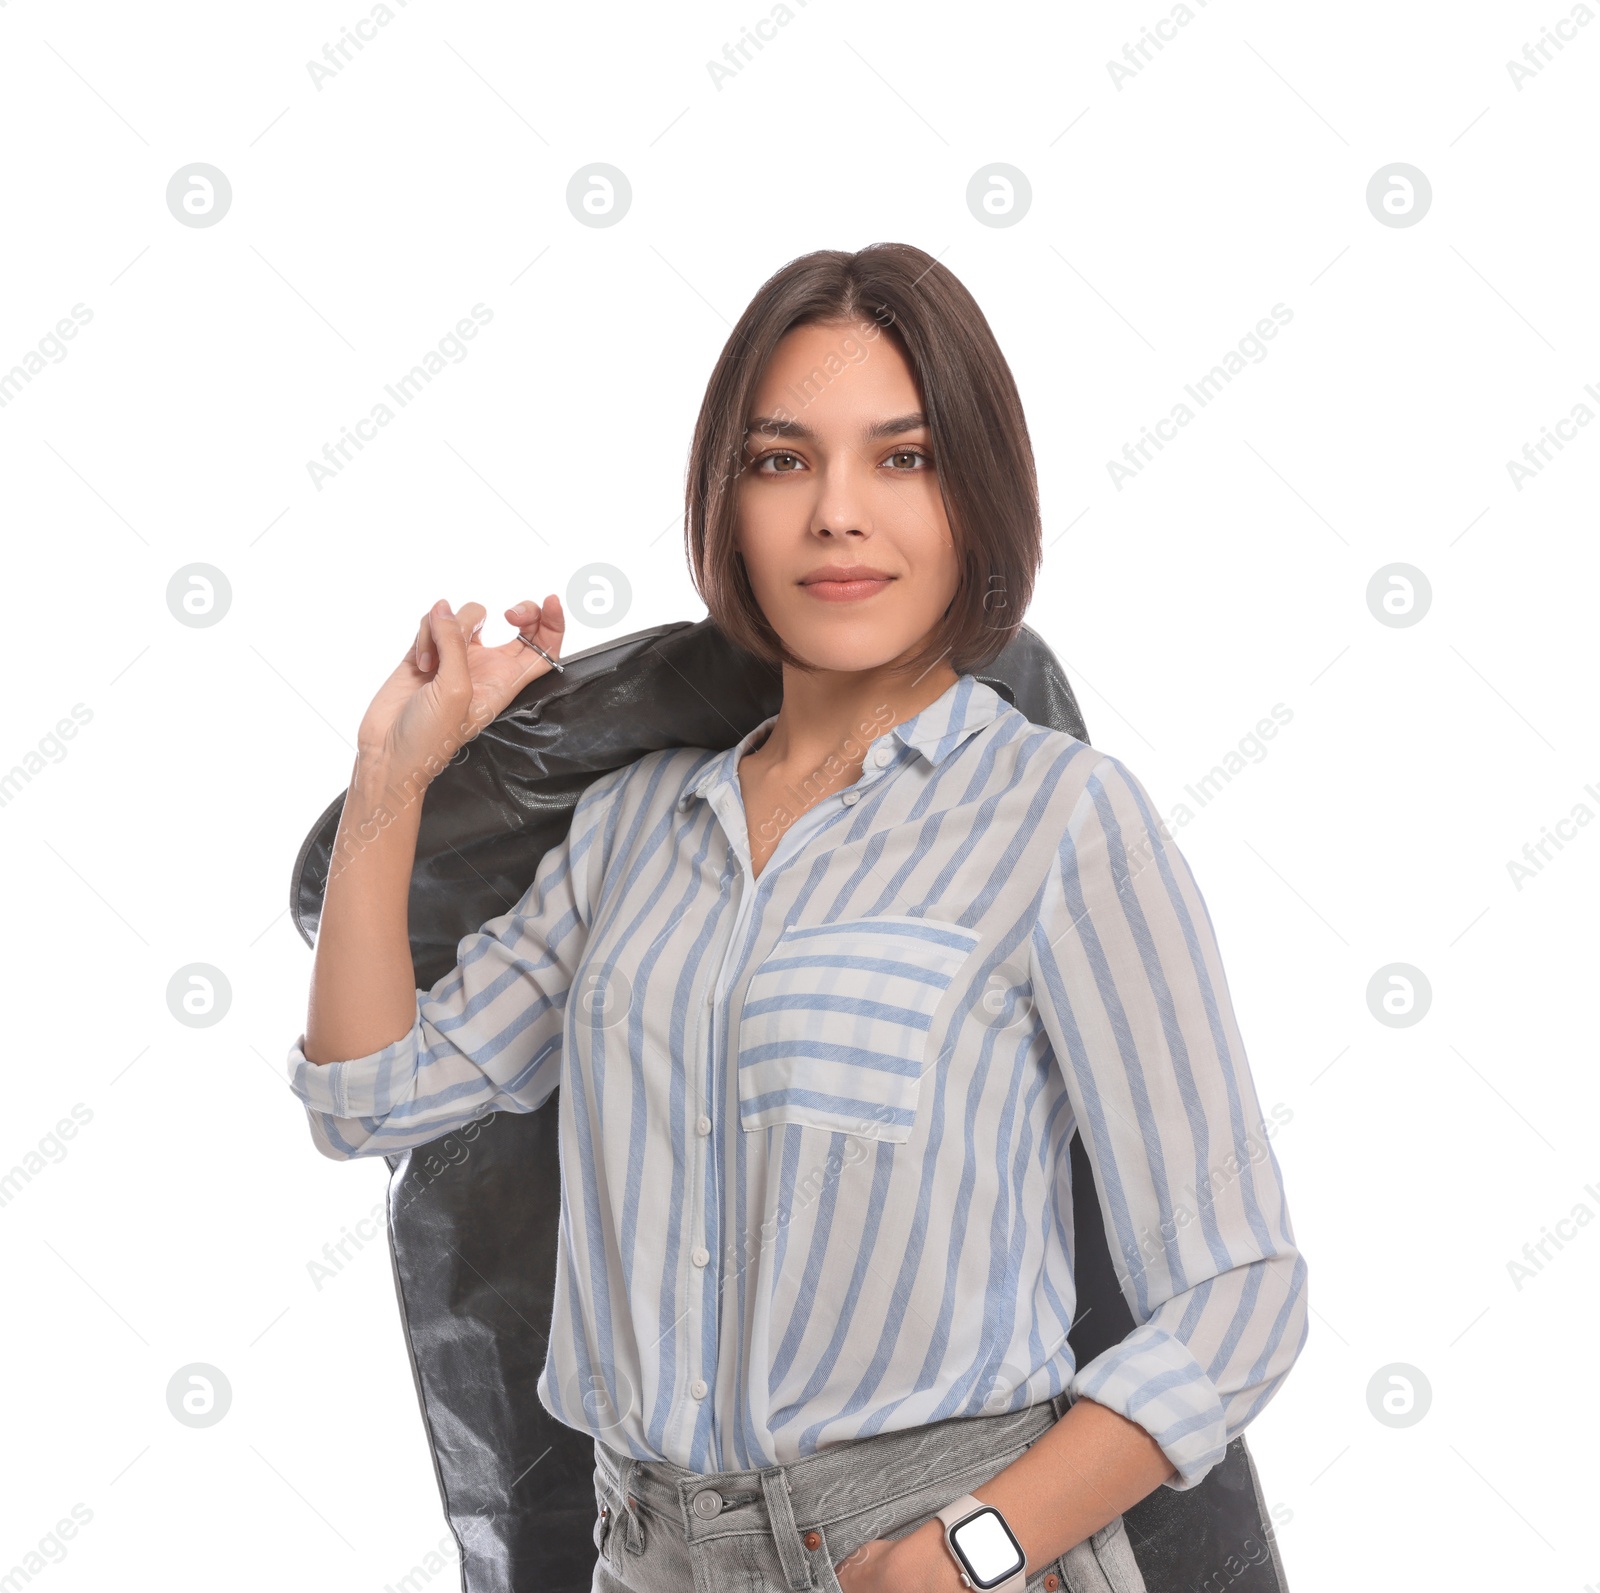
(981, 450)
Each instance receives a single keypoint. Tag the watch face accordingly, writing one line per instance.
(986, 1548)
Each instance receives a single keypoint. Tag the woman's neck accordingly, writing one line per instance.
(837, 714)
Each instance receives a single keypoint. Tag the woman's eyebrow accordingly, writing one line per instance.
(772, 426)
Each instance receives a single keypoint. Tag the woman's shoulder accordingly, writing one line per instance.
(1050, 755)
(1068, 782)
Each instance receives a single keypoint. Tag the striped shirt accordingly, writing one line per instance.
(814, 1122)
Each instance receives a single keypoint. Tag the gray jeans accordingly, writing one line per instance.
(783, 1529)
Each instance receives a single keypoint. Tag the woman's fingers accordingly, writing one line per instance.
(544, 624)
(467, 624)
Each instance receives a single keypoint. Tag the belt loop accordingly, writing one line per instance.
(1062, 1402)
(635, 1528)
(785, 1533)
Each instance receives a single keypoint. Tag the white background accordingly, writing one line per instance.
(1169, 214)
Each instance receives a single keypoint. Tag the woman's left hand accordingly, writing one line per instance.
(916, 1563)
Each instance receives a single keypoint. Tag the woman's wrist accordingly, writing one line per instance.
(377, 784)
(922, 1559)
(378, 826)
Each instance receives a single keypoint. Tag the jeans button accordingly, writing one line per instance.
(707, 1503)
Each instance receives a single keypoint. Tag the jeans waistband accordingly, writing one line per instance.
(826, 1486)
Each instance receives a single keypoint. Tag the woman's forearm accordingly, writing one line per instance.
(1085, 1471)
(363, 982)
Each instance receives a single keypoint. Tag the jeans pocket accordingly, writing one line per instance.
(1103, 1563)
(834, 1029)
(827, 1557)
(1115, 1554)
(877, 1527)
(605, 1515)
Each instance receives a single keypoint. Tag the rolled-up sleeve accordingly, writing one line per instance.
(487, 1037)
(1131, 992)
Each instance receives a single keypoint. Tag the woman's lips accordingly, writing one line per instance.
(845, 591)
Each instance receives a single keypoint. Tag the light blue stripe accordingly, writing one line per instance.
(851, 1106)
(1169, 868)
(807, 1050)
(856, 962)
(854, 1006)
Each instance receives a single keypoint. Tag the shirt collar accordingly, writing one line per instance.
(935, 732)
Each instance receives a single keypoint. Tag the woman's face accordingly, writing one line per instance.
(839, 472)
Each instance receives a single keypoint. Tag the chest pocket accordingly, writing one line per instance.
(835, 1025)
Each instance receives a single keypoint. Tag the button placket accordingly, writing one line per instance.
(701, 1181)
(742, 882)
(748, 886)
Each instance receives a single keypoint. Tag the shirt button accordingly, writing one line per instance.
(699, 1255)
(702, 1124)
(698, 1389)
(851, 798)
(881, 757)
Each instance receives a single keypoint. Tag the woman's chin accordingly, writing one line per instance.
(849, 654)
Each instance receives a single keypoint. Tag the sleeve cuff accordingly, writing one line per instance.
(364, 1086)
(1152, 1379)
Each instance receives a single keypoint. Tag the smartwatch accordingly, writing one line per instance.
(984, 1546)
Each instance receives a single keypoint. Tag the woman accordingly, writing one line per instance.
(827, 1007)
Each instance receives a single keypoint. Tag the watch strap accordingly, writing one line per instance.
(957, 1510)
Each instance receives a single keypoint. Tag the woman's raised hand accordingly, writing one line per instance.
(449, 686)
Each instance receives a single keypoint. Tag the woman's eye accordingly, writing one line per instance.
(912, 454)
(783, 463)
